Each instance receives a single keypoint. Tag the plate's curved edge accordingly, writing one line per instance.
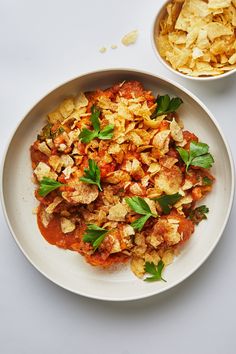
(232, 175)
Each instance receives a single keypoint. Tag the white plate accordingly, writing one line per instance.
(68, 269)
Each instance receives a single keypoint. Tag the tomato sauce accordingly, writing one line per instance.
(53, 234)
(73, 241)
(37, 156)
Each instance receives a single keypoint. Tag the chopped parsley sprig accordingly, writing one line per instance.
(140, 206)
(206, 181)
(92, 174)
(197, 155)
(154, 270)
(198, 214)
(47, 185)
(168, 200)
(94, 235)
(106, 133)
(166, 105)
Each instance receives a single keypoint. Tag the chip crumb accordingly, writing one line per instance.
(103, 50)
(130, 38)
(113, 46)
(35, 211)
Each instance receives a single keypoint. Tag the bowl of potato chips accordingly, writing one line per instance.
(196, 38)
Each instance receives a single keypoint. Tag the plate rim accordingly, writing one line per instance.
(220, 233)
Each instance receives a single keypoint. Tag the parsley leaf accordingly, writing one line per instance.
(94, 235)
(140, 206)
(47, 185)
(207, 181)
(166, 105)
(155, 271)
(95, 118)
(198, 214)
(139, 223)
(106, 133)
(87, 135)
(92, 174)
(197, 156)
(168, 200)
(204, 161)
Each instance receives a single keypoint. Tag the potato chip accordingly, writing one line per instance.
(177, 37)
(163, 45)
(202, 40)
(218, 4)
(218, 47)
(228, 67)
(130, 38)
(197, 53)
(232, 59)
(185, 70)
(81, 100)
(223, 59)
(231, 14)
(178, 57)
(215, 30)
(190, 10)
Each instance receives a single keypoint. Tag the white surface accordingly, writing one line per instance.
(44, 43)
(69, 269)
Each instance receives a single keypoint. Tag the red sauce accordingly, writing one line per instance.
(189, 137)
(186, 226)
(107, 168)
(37, 156)
(53, 234)
(73, 241)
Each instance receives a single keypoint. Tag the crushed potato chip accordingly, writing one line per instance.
(197, 37)
(130, 38)
(103, 50)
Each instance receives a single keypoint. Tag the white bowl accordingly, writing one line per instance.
(68, 269)
(154, 33)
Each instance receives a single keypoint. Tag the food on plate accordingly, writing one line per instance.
(197, 37)
(118, 178)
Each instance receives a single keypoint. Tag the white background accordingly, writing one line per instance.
(42, 44)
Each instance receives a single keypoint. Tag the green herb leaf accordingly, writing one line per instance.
(163, 103)
(47, 185)
(155, 271)
(94, 235)
(205, 161)
(92, 174)
(87, 135)
(197, 156)
(207, 181)
(166, 105)
(166, 201)
(175, 102)
(106, 133)
(95, 118)
(45, 133)
(138, 205)
(140, 222)
(197, 149)
(198, 214)
(183, 154)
